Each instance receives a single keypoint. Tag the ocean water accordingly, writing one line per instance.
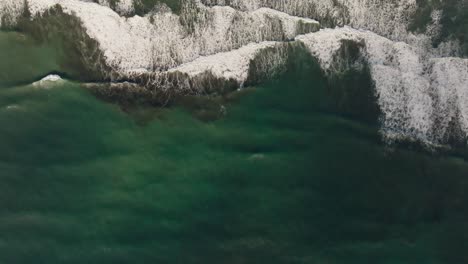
(22, 60)
(277, 173)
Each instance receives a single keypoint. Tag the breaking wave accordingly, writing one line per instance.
(418, 70)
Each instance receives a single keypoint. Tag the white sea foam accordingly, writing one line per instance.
(48, 81)
(317, 9)
(420, 90)
(449, 78)
(10, 10)
(227, 65)
(414, 92)
(159, 41)
(390, 19)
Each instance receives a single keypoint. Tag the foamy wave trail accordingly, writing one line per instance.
(417, 68)
(418, 22)
(163, 40)
(417, 95)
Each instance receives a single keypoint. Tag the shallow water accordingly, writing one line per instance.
(281, 178)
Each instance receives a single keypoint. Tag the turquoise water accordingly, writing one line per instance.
(282, 177)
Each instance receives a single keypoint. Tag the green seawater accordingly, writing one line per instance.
(22, 59)
(280, 178)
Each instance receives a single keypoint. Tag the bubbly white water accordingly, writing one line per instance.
(227, 65)
(385, 17)
(388, 18)
(48, 81)
(10, 10)
(418, 95)
(160, 41)
(421, 91)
